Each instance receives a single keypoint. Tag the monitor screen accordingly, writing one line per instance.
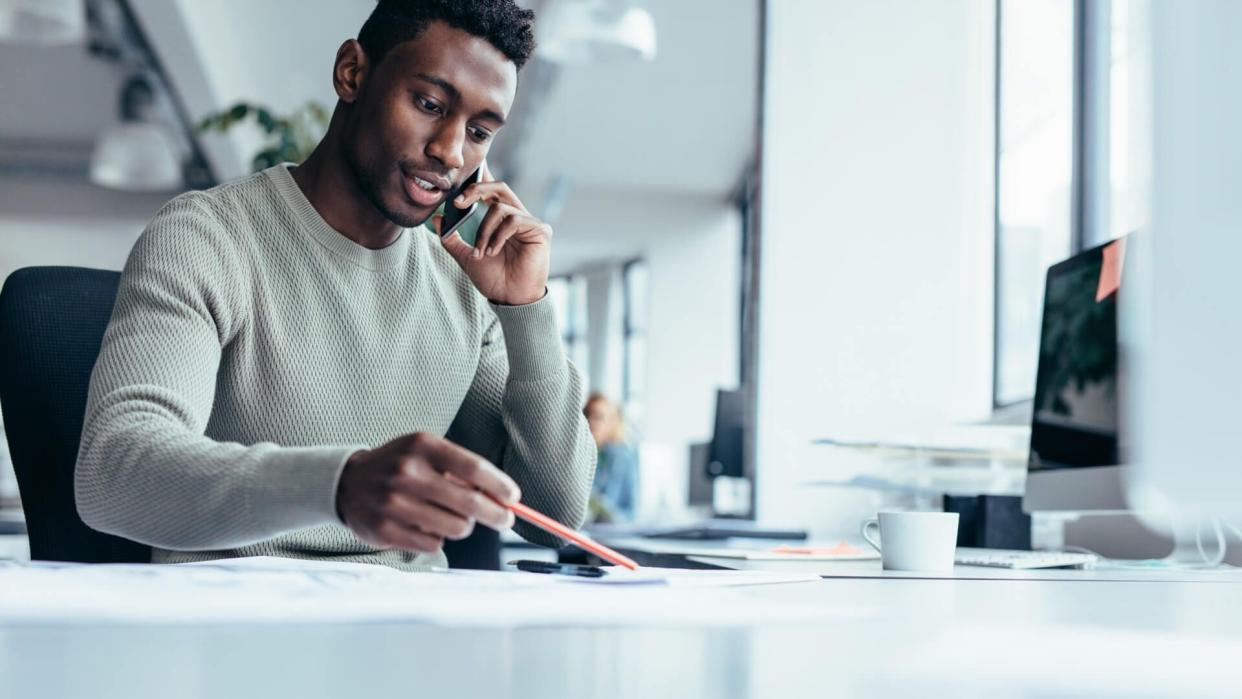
(1075, 420)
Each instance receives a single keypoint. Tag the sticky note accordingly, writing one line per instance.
(841, 549)
(1110, 272)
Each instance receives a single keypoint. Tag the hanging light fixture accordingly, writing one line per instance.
(583, 31)
(137, 153)
(43, 21)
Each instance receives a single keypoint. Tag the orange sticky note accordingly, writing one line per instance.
(1110, 272)
(841, 549)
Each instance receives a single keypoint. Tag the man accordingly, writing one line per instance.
(270, 332)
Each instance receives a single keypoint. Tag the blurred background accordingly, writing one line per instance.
(777, 222)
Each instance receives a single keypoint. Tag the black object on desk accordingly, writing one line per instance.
(699, 530)
(990, 521)
(578, 569)
(713, 531)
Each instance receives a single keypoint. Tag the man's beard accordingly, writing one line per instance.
(371, 184)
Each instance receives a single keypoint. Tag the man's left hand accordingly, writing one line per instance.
(509, 260)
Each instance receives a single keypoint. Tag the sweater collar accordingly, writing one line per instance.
(327, 236)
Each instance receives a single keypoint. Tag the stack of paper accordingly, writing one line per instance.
(272, 590)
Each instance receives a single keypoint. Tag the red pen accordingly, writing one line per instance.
(554, 527)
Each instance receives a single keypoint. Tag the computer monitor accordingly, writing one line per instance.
(725, 455)
(1076, 445)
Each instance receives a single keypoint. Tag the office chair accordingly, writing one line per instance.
(52, 321)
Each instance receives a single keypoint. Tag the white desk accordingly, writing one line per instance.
(14, 547)
(885, 637)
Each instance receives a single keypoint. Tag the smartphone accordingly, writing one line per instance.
(584, 571)
(465, 222)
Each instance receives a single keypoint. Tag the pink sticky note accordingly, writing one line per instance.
(1110, 272)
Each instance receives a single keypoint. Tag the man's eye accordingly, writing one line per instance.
(430, 106)
(480, 135)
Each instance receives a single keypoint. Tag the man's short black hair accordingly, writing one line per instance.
(501, 22)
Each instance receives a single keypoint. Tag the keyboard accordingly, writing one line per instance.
(1023, 560)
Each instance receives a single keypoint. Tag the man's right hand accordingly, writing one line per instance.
(399, 495)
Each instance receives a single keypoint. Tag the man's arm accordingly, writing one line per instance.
(523, 413)
(145, 470)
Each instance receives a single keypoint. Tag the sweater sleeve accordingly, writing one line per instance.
(523, 412)
(145, 470)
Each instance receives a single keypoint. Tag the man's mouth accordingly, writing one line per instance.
(425, 190)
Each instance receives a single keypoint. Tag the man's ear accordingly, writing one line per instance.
(350, 70)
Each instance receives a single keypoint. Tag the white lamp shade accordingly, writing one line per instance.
(582, 32)
(136, 156)
(43, 21)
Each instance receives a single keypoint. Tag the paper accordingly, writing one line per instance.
(272, 590)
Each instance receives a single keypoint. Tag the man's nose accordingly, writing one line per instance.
(446, 147)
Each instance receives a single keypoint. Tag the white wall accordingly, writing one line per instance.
(692, 245)
(876, 279)
(67, 222)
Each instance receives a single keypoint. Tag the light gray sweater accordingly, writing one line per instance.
(253, 349)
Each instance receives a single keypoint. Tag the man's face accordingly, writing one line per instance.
(425, 118)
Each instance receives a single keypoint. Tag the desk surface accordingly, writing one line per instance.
(894, 637)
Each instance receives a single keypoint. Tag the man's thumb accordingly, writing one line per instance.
(454, 244)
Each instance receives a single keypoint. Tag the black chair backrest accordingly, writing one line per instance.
(52, 321)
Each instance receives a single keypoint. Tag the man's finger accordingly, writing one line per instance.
(512, 226)
(427, 517)
(457, 248)
(453, 494)
(490, 192)
(495, 216)
(422, 482)
(474, 470)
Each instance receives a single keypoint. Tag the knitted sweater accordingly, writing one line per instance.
(253, 349)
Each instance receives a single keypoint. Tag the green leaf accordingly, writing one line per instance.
(265, 159)
(265, 119)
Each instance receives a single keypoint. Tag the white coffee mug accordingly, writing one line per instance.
(917, 541)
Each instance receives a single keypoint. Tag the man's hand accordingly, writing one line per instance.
(509, 260)
(401, 495)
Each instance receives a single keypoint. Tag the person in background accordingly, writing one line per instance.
(616, 473)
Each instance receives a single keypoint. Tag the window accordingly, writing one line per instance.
(1129, 112)
(569, 297)
(1034, 177)
(1073, 128)
(634, 337)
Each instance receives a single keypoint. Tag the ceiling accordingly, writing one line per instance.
(684, 123)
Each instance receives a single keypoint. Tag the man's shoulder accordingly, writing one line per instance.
(223, 214)
(226, 201)
(203, 227)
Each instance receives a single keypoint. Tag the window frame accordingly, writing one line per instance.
(629, 327)
(1089, 66)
